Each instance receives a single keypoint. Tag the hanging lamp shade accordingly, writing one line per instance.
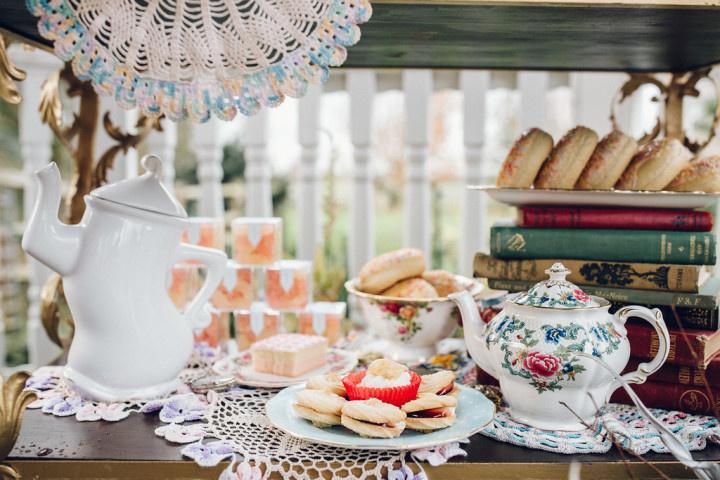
(197, 58)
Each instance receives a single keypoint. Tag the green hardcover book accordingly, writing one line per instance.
(650, 246)
(707, 298)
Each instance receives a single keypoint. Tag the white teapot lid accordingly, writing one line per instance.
(145, 192)
(556, 292)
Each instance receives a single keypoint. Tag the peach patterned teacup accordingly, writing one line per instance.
(205, 232)
(184, 282)
(256, 240)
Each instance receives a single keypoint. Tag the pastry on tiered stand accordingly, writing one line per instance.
(524, 159)
(568, 159)
(701, 175)
(655, 165)
(607, 163)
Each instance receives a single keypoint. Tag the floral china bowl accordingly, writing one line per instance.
(410, 328)
(532, 348)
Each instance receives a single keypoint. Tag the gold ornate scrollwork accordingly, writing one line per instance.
(672, 93)
(9, 74)
(13, 400)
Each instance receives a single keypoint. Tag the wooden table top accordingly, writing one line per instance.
(52, 447)
(618, 35)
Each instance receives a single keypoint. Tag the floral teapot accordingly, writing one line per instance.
(530, 348)
(130, 341)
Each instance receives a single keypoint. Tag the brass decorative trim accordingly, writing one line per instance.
(13, 400)
(9, 74)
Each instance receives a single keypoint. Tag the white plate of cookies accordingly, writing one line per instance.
(614, 171)
(324, 412)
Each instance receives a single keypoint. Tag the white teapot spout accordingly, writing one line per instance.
(46, 238)
(474, 329)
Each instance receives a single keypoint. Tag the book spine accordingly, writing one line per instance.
(644, 344)
(685, 398)
(622, 295)
(635, 219)
(642, 246)
(686, 317)
(644, 276)
(681, 374)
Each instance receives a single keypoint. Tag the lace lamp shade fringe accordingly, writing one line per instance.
(197, 58)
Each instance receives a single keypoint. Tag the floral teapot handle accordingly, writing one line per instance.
(644, 370)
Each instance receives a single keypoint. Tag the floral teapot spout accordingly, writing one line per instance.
(531, 346)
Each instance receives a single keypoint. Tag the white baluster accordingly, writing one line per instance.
(593, 94)
(163, 144)
(361, 86)
(474, 85)
(309, 208)
(258, 173)
(418, 87)
(209, 171)
(35, 145)
(533, 88)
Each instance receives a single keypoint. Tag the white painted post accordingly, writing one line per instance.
(209, 171)
(361, 85)
(533, 88)
(474, 85)
(163, 144)
(258, 173)
(309, 207)
(35, 145)
(418, 88)
(593, 93)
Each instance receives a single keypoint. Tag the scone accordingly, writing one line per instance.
(655, 165)
(524, 159)
(389, 268)
(373, 419)
(609, 160)
(323, 409)
(568, 159)
(439, 383)
(701, 175)
(444, 282)
(328, 383)
(430, 412)
(411, 288)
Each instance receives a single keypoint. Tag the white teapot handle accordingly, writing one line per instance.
(644, 370)
(195, 314)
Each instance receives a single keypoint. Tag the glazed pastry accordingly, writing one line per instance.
(411, 288)
(524, 159)
(655, 165)
(430, 412)
(322, 408)
(389, 268)
(701, 175)
(373, 418)
(289, 354)
(443, 282)
(568, 159)
(329, 383)
(439, 383)
(609, 160)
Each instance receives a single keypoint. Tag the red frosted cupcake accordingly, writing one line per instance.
(388, 381)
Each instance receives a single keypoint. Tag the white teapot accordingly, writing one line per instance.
(530, 348)
(130, 341)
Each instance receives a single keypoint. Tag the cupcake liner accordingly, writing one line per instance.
(397, 396)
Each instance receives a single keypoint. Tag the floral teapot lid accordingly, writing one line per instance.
(556, 292)
(145, 192)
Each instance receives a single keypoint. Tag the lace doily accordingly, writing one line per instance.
(621, 424)
(194, 58)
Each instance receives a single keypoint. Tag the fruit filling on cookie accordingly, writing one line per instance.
(446, 389)
(431, 413)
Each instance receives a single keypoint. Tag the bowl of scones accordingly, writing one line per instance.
(383, 401)
(407, 306)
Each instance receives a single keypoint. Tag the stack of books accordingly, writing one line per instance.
(656, 258)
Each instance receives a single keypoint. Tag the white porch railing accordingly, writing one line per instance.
(592, 94)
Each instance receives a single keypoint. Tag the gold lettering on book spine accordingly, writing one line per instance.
(516, 243)
(707, 249)
(692, 247)
(684, 375)
(655, 345)
(663, 240)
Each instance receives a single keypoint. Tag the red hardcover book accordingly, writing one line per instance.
(685, 398)
(681, 374)
(697, 351)
(620, 218)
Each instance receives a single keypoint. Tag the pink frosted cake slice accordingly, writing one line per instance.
(289, 354)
